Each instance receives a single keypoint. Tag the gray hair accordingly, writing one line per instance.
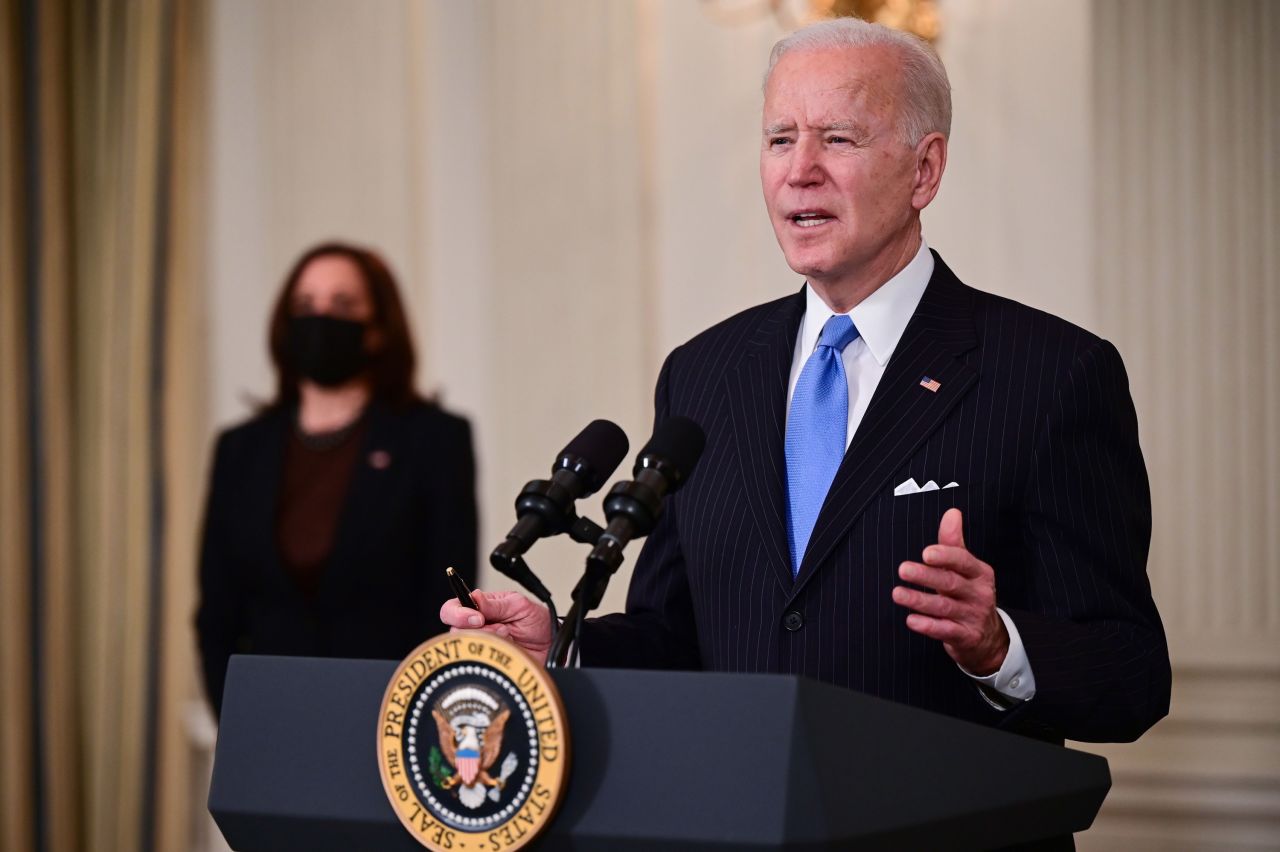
(927, 106)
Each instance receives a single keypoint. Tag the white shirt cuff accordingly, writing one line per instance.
(1014, 679)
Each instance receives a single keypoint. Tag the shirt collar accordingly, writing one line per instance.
(882, 317)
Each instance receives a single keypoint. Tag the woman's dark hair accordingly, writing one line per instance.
(391, 368)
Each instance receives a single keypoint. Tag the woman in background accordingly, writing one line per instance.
(333, 514)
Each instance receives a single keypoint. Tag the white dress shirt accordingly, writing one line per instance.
(881, 318)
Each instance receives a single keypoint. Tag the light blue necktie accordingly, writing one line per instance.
(816, 427)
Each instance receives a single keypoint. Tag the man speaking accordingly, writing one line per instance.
(910, 487)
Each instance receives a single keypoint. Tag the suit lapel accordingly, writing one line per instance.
(902, 413)
(758, 398)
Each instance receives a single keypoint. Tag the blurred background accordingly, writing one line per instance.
(566, 190)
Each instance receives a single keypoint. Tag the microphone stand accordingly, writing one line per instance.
(582, 530)
(568, 632)
(638, 503)
(587, 595)
(632, 509)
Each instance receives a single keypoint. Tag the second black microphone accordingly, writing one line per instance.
(633, 507)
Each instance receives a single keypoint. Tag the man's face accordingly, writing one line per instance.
(838, 182)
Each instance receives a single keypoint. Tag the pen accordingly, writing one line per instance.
(460, 589)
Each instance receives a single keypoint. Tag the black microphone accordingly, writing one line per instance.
(545, 507)
(633, 508)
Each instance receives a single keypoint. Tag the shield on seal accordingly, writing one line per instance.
(468, 765)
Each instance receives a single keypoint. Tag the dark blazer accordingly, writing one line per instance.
(380, 592)
(1033, 419)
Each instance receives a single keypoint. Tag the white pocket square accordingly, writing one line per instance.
(910, 487)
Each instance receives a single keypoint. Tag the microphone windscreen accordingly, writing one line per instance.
(679, 442)
(602, 445)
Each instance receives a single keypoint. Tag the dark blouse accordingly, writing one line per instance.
(313, 489)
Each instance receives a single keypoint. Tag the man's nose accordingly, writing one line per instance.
(806, 165)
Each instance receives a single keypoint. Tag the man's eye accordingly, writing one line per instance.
(778, 140)
(839, 140)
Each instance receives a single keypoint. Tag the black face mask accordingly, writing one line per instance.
(327, 350)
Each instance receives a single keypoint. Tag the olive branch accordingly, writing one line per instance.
(437, 768)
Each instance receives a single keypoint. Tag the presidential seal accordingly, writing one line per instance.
(472, 744)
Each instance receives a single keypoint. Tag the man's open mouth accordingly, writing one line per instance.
(811, 219)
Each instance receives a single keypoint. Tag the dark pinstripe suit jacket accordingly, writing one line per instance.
(1033, 419)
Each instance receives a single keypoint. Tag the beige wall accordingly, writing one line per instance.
(557, 179)
(1015, 212)
(311, 139)
(570, 185)
(1186, 101)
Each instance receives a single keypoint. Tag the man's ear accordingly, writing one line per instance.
(931, 161)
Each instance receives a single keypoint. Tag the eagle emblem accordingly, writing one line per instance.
(470, 721)
(473, 744)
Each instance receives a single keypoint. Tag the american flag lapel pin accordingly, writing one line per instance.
(930, 385)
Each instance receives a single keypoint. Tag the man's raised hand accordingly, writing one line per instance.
(962, 614)
(510, 615)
